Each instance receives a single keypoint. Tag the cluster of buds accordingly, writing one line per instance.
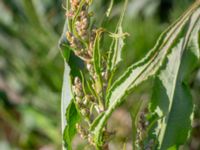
(77, 88)
(74, 42)
(82, 100)
(74, 4)
(80, 97)
(83, 52)
(78, 47)
(83, 133)
(81, 33)
(82, 24)
(82, 20)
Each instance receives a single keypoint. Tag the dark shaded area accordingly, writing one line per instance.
(164, 10)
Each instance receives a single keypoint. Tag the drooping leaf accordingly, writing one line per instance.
(72, 117)
(66, 87)
(171, 100)
(144, 69)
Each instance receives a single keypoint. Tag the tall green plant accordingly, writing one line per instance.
(95, 95)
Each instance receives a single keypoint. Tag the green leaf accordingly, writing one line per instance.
(69, 114)
(72, 117)
(97, 59)
(97, 53)
(171, 99)
(117, 44)
(66, 94)
(143, 70)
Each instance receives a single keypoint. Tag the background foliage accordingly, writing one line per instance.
(31, 68)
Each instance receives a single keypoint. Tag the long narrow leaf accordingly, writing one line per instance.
(144, 69)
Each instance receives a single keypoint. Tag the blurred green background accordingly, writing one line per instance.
(31, 66)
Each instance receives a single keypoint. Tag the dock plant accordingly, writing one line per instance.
(91, 93)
